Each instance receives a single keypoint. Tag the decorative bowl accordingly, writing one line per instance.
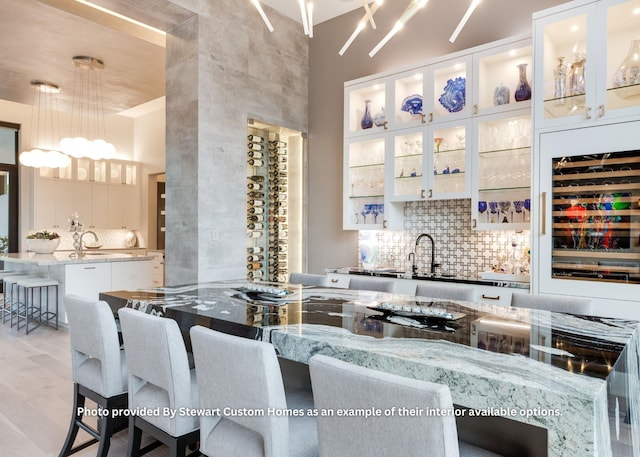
(42, 246)
(453, 97)
(412, 105)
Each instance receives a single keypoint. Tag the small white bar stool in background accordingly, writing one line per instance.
(41, 311)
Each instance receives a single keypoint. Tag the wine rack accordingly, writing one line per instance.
(596, 217)
(267, 200)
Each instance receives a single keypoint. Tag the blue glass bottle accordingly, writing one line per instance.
(367, 121)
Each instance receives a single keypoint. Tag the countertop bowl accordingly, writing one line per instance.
(42, 246)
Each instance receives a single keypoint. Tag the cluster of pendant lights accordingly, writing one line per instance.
(306, 13)
(87, 120)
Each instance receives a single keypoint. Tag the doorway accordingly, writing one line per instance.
(9, 209)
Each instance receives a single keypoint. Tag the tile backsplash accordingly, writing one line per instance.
(460, 249)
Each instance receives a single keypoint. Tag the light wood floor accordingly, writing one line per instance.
(36, 396)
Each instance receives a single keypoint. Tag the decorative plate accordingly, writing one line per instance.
(453, 97)
(412, 105)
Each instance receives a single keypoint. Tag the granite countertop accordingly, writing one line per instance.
(581, 372)
(391, 273)
(62, 258)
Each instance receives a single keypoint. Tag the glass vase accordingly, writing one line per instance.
(629, 70)
(367, 121)
(560, 79)
(523, 91)
(576, 75)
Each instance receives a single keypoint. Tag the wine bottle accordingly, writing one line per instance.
(255, 202)
(254, 250)
(254, 234)
(255, 162)
(255, 274)
(254, 258)
(254, 266)
(255, 146)
(254, 194)
(255, 138)
(255, 154)
(255, 226)
(256, 218)
(256, 178)
(256, 210)
(254, 186)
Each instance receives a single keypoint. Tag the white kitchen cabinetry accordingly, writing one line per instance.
(587, 41)
(131, 275)
(157, 268)
(104, 197)
(431, 123)
(87, 279)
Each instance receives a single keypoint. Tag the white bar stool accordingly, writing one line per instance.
(10, 298)
(30, 310)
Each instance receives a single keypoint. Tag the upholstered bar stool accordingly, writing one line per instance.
(445, 292)
(11, 297)
(99, 373)
(555, 303)
(340, 385)
(40, 311)
(307, 279)
(378, 285)
(159, 379)
(238, 373)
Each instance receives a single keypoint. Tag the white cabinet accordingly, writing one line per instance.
(580, 46)
(429, 142)
(339, 280)
(106, 195)
(157, 268)
(131, 275)
(87, 279)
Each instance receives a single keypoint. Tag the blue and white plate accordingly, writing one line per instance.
(453, 97)
(412, 105)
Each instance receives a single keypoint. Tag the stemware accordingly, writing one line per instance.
(482, 208)
(527, 207)
(356, 210)
(493, 209)
(504, 208)
(519, 206)
(366, 210)
(375, 210)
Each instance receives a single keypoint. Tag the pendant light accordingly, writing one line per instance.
(87, 116)
(45, 128)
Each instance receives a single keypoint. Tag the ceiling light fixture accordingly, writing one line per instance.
(87, 117)
(45, 128)
(413, 7)
(369, 12)
(465, 18)
(262, 14)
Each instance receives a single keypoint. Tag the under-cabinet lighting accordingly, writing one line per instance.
(575, 28)
(418, 76)
(636, 11)
(513, 52)
(464, 20)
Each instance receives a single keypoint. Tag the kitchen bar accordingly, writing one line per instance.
(576, 377)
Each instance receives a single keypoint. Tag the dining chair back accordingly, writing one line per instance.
(99, 373)
(556, 303)
(444, 291)
(238, 374)
(308, 279)
(374, 284)
(159, 380)
(343, 386)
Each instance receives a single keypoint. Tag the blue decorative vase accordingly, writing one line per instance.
(367, 121)
(523, 91)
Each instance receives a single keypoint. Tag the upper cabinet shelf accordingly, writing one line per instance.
(584, 62)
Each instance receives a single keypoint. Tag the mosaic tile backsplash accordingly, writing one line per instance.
(460, 249)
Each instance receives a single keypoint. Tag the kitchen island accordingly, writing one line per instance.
(85, 276)
(575, 377)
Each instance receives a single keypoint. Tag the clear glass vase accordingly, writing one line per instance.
(629, 70)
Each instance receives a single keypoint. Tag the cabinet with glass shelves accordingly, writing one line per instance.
(502, 182)
(586, 68)
(450, 89)
(364, 105)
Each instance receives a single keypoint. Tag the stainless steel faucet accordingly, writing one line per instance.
(81, 246)
(412, 255)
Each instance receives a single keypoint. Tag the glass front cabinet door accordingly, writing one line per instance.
(364, 183)
(589, 234)
(587, 62)
(502, 189)
(447, 172)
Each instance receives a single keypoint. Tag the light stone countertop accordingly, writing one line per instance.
(62, 258)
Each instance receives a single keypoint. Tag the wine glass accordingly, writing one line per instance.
(375, 210)
(365, 210)
(482, 208)
(504, 208)
(519, 207)
(356, 210)
(493, 209)
(527, 206)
